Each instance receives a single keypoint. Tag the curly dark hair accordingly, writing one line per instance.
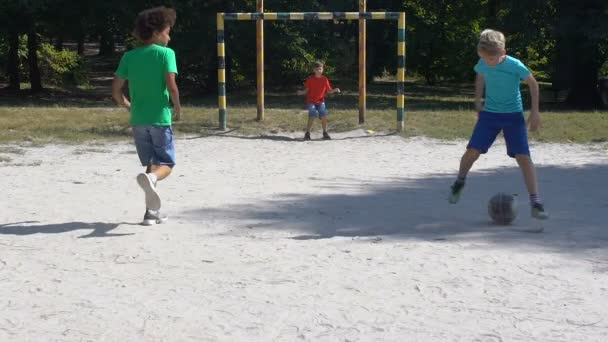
(153, 20)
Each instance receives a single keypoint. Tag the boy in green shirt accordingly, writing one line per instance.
(151, 71)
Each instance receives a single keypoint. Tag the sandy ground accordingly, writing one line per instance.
(272, 239)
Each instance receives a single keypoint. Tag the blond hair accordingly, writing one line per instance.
(491, 41)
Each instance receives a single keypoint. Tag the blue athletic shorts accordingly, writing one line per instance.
(317, 110)
(154, 145)
(513, 127)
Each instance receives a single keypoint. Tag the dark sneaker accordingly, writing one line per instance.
(153, 217)
(538, 211)
(152, 197)
(307, 136)
(455, 191)
(326, 136)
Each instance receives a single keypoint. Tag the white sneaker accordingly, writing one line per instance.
(153, 217)
(152, 197)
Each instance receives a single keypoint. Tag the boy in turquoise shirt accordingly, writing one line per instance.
(500, 76)
(151, 71)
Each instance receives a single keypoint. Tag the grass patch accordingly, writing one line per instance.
(443, 112)
(68, 125)
(40, 125)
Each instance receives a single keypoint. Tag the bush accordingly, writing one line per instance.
(61, 67)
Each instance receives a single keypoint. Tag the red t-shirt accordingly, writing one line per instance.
(317, 88)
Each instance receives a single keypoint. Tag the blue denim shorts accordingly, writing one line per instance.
(317, 110)
(154, 145)
(513, 127)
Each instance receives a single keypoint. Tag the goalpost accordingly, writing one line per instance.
(260, 16)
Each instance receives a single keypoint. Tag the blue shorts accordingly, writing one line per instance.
(513, 127)
(154, 145)
(317, 110)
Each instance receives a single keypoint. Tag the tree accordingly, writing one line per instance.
(581, 41)
(442, 37)
(32, 58)
(11, 23)
(13, 60)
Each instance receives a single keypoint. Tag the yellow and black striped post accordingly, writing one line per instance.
(260, 59)
(221, 70)
(401, 72)
(259, 16)
(362, 63)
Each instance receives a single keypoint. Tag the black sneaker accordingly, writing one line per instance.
(538, 211)
(326, 136)
(307, 136)
(153, 217)
(456, 191)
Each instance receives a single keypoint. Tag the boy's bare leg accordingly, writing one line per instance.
(311, 121)
(529, 172)
(527, 168)
(467, 161)
(324, 123)
(160, 171)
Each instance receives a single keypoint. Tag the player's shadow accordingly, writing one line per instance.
(98, 229)
(418, 209)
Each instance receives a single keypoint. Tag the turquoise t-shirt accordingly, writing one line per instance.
(502, 84)
(145, 68)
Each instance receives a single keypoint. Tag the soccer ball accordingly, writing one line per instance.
(502, 208)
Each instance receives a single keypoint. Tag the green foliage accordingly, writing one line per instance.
(442, 38)
(556, 39)
(21, 53)
(61, 67)
(604, 70)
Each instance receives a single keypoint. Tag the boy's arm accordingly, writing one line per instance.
(534, 119)
(479, 88)
(117, 94)
(334, 90)
(174, 93)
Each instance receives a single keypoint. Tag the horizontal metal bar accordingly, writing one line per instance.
(312, 15)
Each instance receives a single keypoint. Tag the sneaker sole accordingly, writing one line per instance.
(154, 222)
(540, 217)
(152, 197)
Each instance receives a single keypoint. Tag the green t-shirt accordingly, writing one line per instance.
(145, 68)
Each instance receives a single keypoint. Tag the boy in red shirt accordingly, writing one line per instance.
(316, 86)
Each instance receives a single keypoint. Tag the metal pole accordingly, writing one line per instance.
(362, 62)
(260, 59)
(401, 73)
(221, 71)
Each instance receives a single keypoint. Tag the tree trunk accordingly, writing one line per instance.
(106, 44)
(32, 58)
(81, 44)
(13, 60)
